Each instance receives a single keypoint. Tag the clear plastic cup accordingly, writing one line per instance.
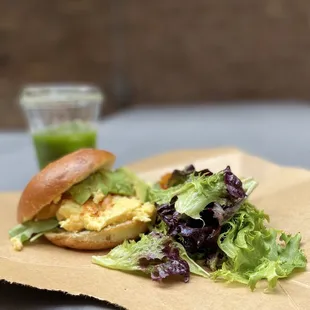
(62, 118)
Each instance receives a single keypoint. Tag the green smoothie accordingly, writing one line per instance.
(55, 142)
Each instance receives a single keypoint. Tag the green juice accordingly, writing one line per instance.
(55, 142)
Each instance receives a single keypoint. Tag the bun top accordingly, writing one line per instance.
(57, 177)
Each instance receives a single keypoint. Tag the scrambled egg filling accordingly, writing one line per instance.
(102, 212)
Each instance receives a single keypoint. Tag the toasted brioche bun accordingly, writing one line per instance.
(105, 239)
(57, 177)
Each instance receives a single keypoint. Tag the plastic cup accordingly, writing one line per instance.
(62, 118)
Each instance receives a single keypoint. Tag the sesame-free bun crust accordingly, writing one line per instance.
(105, 239)
(57, 177)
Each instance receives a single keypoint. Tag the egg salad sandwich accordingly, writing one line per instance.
(80, 202)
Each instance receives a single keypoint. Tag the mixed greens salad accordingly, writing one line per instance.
(207, 226)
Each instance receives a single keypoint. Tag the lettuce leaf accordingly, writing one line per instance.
(154, 254)
(180, 176)
(253, 252)
(198, 237)
(202, 192)
(201, 189)
(193, 266)
(120, 181)
(31, 230)
(198, 208)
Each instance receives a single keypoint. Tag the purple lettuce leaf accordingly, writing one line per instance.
(155, 254)
(196, 236)
(171, 264)
(233, 184)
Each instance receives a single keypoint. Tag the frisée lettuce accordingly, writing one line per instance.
(252, 252)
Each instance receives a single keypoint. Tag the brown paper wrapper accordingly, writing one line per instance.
(283, 193)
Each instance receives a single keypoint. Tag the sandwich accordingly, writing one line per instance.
(80, 202)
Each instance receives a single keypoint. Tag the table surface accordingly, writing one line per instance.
(278, 132)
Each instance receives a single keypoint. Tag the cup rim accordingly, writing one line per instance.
(47, 95)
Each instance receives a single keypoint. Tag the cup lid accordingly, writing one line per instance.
(44, 95)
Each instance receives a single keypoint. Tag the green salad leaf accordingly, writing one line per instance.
(249, 184)
(199, 191)
(202, 192)
(31, 230)
(253, 252)
(120, 181)
(194, 195)
(193, 266)
(154, 254)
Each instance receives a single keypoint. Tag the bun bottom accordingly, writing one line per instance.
(102, 240)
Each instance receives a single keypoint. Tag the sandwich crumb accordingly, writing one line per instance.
(16, 243)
